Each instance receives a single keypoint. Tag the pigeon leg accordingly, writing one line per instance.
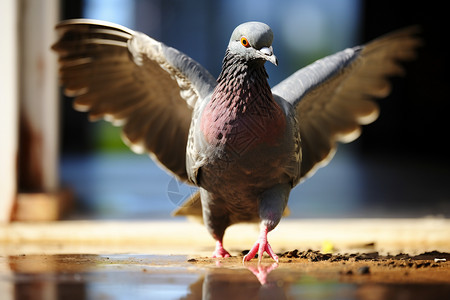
(220, 251)
(261, 246)
(215, 221)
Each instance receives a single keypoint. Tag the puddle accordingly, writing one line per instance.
(83, 276)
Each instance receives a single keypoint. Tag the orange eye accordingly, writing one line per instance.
(245, 42)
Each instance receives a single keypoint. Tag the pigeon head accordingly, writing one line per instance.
(253, 42)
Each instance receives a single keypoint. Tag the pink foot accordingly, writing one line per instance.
(220, 251)
(261, 246)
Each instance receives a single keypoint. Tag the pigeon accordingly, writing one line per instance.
(244, 144)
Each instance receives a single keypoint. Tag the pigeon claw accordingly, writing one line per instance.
(220, 252)
(260, 248)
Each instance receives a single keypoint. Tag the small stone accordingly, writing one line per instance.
(363, 270)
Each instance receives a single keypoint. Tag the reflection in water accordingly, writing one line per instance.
(136, 277)
(268, 281)
(172, 277)
(47, 276)
(225, 283)
(261, 271)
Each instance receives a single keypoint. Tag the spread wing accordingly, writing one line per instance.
(333, 96)
(133, 81)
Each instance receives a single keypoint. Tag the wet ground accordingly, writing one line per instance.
(299, 275)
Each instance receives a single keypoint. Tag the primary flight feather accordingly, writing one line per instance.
(242, 143)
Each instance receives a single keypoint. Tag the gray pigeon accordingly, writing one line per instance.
(242, 143)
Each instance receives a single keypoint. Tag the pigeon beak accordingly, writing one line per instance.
(267, 54)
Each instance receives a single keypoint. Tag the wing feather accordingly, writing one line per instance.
(132, 80)
(333, 96)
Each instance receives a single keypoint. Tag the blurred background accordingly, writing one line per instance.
(399, 167)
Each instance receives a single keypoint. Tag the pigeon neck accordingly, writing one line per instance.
(241, 83)
(242, 108)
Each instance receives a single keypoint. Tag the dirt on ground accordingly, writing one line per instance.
(371, 267)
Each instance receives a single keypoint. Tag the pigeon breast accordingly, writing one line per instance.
(242, 114)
